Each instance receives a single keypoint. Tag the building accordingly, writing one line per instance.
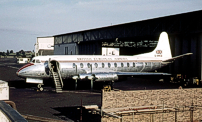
(184, 30)
(44, 46)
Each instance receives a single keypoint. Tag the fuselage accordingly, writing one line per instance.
(70, 66)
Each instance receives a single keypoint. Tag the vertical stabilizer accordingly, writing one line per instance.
(162, 49)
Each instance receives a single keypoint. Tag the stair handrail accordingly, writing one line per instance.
(53, 75)
(58, 69)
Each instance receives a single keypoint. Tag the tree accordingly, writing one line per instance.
(11, 51)
(7, 52)
(4, 54)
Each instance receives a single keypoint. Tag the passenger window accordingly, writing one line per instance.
(96, 65)
(88, 65)
(133, 64)
(122, 65)
(103, 65)
(128, 65)
(74, 65)
(115, 64)
(109, 65)
(145, 63)
(81, 65)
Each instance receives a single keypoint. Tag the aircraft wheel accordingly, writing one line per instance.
(41, 89)
(39, 86)
(107, 88)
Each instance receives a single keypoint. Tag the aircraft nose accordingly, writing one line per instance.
(22, 71)
(17, 73)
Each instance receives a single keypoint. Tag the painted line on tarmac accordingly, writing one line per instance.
(81, 92)
(65, 91)
(13, 67)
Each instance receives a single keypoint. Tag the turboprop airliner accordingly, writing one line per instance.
(97, 68)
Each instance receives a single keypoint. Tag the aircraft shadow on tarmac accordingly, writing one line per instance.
(69, 85)
(20, 84)
(76, 113)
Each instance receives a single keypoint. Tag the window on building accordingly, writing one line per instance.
(66, 50)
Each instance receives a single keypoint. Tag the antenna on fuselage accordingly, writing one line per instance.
(49, 64)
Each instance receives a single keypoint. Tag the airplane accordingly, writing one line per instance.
(97, 68)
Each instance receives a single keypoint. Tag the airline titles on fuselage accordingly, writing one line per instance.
(100, 59)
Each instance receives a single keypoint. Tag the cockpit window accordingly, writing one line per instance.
(33, 61)
(133, 64)
(38, 61)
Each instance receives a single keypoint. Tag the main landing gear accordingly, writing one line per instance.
(40, 88)
(108, 86)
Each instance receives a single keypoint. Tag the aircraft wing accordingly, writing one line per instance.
(140, 73)
(130, 73)
(109, 76)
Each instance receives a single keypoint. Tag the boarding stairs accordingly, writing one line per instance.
(57, 79)
(58, 85)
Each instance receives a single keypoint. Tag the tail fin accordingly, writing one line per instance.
(162, 49)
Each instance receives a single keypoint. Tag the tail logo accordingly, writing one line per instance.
(159, 52)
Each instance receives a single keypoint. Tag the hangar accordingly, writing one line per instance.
(184, 30)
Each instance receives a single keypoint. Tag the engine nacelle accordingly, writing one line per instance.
(106, 77)
(99, 77)
(84, 76)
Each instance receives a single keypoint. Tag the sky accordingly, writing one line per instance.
(22, 21)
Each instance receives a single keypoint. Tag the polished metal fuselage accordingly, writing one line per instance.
(70, 69)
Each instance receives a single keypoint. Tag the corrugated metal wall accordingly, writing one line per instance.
(186, 43)
(66, 49)
(184, 30)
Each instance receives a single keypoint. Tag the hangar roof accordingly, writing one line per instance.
(190, 22)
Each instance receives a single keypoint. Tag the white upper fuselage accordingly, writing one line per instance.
(95, 58)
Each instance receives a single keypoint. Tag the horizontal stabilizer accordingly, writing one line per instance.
(180, 56)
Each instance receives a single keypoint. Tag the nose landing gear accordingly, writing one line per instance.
(40, 88)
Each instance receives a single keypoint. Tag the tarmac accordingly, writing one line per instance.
(64, 106)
